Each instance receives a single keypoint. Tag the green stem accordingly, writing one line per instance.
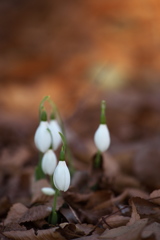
(42, 103)
(51, 181)
(54, 218)
(68, 152)
(103, 109)
(39, 174)
(52, 143)
(97, 162)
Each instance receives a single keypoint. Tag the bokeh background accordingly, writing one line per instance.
(80, 52)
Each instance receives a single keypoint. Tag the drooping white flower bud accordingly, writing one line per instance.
(48, 191)
(102, 138)
(61, 176)
(42, 137)
(55, 129)
(49, 162)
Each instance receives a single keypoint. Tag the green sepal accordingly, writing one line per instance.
(52, 116)
(43, 116)
(62, 154)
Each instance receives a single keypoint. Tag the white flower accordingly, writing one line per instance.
(102, 138)
(61, 176)
(48, 191)
(49, 162)
(55, 129)
(42, 137)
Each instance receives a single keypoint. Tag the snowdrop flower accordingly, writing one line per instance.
(42, 136)
(49, 162)
(54, 130)
(61, 176)
(102, 136)
(48, 191)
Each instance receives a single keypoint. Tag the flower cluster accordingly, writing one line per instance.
(47, 140)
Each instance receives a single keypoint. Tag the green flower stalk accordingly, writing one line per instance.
(56, 115)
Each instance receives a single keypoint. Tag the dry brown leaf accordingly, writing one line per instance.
(40, 224)
(48, 234)
(86, 228)
(111, 202)
(91, 216)
(131, 232)
(98, 197)
(152, 229)
(155, 196)
(15, 213)
(134, 216)
(70, 231)
(69, 214)
(115, 221)
(146, 208)
(36, 213)
(135, 192)
(76, 197)
(14, 226)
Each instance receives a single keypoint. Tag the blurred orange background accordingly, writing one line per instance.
(69, 48)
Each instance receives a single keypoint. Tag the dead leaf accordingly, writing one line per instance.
(146, 208)
(14, 226)
(131, 232)
(155, 196)
(152, 229)
(48, 234)
(98, 197)
(86, 228)
(114, 221)
(70, 231)
(36, 213)
(134, 216)
(135, 192)
(15, 213)
(111, 202)
(69, 214)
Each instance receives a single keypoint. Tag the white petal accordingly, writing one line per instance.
(42, 137)
(48, 191)
(61, 176)
(55, 129)
(102, 138)
(49, 162)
